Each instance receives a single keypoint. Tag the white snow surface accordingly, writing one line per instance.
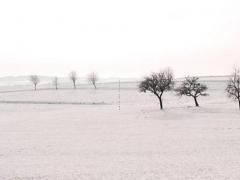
(99, 142)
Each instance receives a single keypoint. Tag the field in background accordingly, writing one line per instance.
(59, 141)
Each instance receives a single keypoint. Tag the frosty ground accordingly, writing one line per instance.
(95, 140)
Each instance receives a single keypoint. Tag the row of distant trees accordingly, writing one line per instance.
(92, 79)
(159, 83)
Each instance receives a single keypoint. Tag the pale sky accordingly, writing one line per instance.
(125, 38)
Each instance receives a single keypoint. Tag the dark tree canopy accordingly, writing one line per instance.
(233, 87)
(158, 83)
(193, 88)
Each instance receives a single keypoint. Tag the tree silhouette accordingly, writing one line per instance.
(35, 80)
(158, 83)
(191, 87)
(93, 78)
(233, 87)
(73, 78)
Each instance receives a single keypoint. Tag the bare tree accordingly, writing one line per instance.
(92, 79)
(73, 77)
(35, 80)
(191, 87)
(158, 83)
(233, 87)
(55, 82)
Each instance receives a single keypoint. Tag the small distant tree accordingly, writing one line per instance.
(73, 77)
(55, 82)
(233, 87)
(158, 83)
(35, 80)
(193, 88)
(92, 79)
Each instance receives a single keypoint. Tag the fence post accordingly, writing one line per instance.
(119, 95)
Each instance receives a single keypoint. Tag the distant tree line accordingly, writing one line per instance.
(161, 82)
(92, 78)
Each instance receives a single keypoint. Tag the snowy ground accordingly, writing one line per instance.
(97, 141)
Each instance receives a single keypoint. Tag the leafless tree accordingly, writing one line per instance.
(193, 88)
(73, 77)
(233, 87)
(158, 83)
(35, 80)
(55, 82)
(92, 79)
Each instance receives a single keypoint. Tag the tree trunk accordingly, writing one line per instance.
(239, 104)
(74, 85)
(196, 103)
(35, 87)
(160, 101)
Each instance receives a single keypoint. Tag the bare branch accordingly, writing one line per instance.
(158, 83)
(55, 82)
(35, 80)
(191, 87)
(233, 86)
(92, 79)
(73, 78)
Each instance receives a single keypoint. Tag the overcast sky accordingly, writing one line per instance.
(125, 38)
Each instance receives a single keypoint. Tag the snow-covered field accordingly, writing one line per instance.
(95, 141)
